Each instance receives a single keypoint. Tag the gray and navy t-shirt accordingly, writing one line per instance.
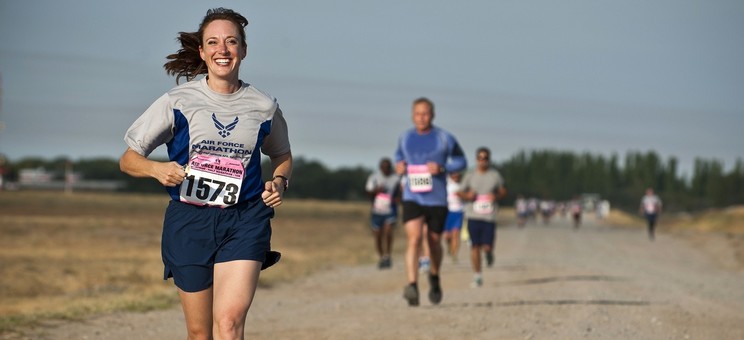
(192, 119)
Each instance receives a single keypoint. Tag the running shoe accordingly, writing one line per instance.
(424, 264)
(385, 263)
(435, 290)
(411, 294)
(477, 281)
(489, 259)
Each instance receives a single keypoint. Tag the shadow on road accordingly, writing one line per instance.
(560, 279)
(546, 303)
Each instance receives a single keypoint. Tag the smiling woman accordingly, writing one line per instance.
(217, 229)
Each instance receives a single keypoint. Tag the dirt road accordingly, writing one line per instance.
(548, 282)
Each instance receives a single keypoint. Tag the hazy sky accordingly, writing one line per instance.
(598, 76)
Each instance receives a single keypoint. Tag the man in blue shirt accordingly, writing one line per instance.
(424, 156)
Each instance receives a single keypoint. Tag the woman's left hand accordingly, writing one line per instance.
(272, 195)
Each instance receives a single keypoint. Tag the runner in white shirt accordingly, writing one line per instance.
(383, 187)
(521, 209)
(455, 215)
(651, 208)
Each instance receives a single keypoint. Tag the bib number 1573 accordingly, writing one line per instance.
(209, 190)
(213, 181)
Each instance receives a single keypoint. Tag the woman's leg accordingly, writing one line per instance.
(197, 310)
(235, 284)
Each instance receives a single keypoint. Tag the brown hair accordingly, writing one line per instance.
(483, 149)
(425, 100)
(187, 62)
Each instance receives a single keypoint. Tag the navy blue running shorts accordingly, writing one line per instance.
(454, 221)
(434, 216)
(197, 237)
(482, 233)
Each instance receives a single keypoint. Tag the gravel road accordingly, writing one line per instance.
(548, 282)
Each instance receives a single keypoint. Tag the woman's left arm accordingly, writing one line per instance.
(281, 173)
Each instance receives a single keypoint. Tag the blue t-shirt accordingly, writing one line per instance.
(438, 146)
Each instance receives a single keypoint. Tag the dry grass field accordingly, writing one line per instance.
(728, 222)
(68, 256)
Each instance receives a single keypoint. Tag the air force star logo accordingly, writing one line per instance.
(224, 130)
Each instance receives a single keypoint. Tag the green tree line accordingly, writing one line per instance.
(562, 175)
(548, 174)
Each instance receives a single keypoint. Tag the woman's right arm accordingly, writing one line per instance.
(168, 174)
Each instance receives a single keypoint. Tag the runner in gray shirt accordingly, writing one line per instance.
(482, 188)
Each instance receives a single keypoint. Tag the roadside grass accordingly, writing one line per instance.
(728, 222)
(70, 256)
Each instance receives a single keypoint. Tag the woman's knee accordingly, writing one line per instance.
(199, 332)
(229, 326)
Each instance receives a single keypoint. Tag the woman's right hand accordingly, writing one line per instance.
(168, 174)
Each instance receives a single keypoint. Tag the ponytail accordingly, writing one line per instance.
(186, 62)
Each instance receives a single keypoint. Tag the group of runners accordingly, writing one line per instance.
(437, 194)
(527, 209)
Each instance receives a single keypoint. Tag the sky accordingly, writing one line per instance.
(604, 77)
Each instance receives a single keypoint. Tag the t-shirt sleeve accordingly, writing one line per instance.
(370, 185)
(153, 128)
(457, 160)
(277, 142)
(499, 183)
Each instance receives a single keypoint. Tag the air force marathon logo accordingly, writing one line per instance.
(224, 130)
(222, 147)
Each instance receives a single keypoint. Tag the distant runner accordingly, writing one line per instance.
(651, 208)
(522, 210)
(383, 187)
(455, 215)
(575, 208)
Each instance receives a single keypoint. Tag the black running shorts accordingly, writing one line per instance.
(434, 216)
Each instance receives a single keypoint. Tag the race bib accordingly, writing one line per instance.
(213, 181)
(419, 178)
(483, 205)
(650, 208)
(454, 202)
(383, 204)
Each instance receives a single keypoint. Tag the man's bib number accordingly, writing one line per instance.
(213, 181)
(483, 205)
(419, 178)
